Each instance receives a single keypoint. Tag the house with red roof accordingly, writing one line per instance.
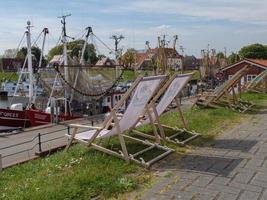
(146, 59)
(256, 66)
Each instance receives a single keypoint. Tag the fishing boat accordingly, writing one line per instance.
(21, 116)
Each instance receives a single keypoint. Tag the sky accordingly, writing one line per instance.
(219, 23)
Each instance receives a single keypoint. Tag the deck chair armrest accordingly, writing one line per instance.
(84, 126)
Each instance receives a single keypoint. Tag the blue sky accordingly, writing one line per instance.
(220, 23)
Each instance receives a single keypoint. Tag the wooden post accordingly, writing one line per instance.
(75, 130)
(153, 125)
(181, 112)
(234, 96)
(158, 122)
(121, 139)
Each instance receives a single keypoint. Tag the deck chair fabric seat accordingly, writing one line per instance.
(169, 93)
(176, 86)
(87, 135)
(143, 89)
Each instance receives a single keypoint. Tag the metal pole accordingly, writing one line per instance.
(1, 167)
(29, 53)
(39, 142)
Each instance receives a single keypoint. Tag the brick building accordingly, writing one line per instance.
(256, 66)
(11, 64)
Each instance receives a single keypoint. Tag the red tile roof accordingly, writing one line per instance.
(258, 61)
(262, 63)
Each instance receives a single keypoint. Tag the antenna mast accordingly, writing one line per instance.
(175, 41)
(117, 39)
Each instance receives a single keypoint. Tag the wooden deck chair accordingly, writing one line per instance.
(165, 96)
(143, 89)
(258, 84)
(226, 94)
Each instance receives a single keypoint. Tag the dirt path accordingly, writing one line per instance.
(233, 167)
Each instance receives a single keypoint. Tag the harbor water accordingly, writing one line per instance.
(6, 101)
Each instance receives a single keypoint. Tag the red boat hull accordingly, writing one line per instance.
(38, 118)
(14, 118)
(27, 118)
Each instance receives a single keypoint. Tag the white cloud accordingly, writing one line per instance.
(163, 27)
(238, 10)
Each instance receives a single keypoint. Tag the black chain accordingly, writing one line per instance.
(107, 91)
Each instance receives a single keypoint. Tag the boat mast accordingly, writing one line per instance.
(29, 55)
(45, 31)
(89, 31)
(65, 58)
(82, 61)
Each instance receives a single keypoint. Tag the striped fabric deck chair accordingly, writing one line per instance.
(141, 93)
(167, 95)
(258, 84)
(227, 95)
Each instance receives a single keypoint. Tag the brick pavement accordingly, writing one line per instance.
(233, 167)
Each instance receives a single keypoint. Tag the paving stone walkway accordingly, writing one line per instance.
(234, 167)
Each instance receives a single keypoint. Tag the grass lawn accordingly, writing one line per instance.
(78, 174)
(8, 76)
(82, 174)
(196, 74)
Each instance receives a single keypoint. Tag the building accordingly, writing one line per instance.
(111, 99)
(146, 59)
(191, 63)
(105, 62)
(11, 64)
(256, 66)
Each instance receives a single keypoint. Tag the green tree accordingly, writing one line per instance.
(233, 57)
(36, 52)
(129, 57)
(75, 48)
(257, 51)
(220, 55)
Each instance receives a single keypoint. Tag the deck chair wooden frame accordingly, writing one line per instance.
(226, 95)
(113, 120)
(152, 110)
(258, 84)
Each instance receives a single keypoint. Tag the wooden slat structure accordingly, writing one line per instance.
(227, 95)
(173, 90)
(258, 84)
(96, 134)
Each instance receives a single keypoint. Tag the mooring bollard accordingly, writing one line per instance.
(39, 143)
(1, 163)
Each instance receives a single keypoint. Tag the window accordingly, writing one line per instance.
(250, 77)
(108, 99)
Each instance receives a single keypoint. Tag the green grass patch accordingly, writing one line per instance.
(78, 174)
(258, 98)
(12, 76)
(208, 122)
(196, 74)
